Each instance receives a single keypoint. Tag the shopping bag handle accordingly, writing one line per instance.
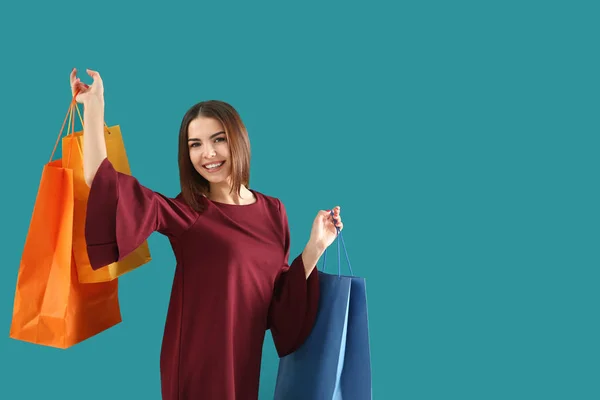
(62, 128)
(340, 237)
(71, 127)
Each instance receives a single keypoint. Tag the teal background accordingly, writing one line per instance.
(460, 139)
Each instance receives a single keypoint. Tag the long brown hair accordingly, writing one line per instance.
(193, 185)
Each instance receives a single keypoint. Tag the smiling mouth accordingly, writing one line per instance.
(212, 167)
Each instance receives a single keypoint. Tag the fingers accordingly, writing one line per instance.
(95, 76)
(336, 218)
(337, 221)
(332, 216)
(324, 214)
(80, 87)
(73, 80)
(76, 85)
(335, 210)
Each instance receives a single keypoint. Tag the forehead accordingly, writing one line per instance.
(203, 127)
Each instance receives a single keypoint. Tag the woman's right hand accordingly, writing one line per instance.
(87, 94)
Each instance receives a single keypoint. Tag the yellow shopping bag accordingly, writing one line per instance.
(115, 149)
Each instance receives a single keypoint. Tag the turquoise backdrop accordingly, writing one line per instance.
(461, 140)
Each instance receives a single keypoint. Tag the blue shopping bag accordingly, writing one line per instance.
(334, 363)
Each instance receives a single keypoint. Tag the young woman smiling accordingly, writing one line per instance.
(231, 243)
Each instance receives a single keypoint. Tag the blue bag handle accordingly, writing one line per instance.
(340, 237)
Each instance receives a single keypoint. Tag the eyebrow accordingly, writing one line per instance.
(214, 135)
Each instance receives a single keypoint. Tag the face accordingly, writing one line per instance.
(209, 150)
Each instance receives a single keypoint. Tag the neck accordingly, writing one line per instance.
(222, 193)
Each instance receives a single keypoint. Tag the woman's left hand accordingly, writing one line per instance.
(324, 230)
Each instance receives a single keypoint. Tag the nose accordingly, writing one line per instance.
(210, 152)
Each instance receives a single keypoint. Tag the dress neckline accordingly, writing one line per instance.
(229, 205)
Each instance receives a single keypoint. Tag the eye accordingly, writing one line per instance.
(220, 139)
(194, 144)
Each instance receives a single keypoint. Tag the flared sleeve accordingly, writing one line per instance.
(121, 214)
(295, 301)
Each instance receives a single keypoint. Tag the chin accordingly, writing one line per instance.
(215, 180)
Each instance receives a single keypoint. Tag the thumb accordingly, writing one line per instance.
(95, 76)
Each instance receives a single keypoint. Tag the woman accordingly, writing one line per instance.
(231, 243)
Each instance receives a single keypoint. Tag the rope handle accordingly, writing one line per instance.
(340, 237)
(71, 126)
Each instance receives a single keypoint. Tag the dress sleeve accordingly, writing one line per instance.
(293, 309)
(121, 214)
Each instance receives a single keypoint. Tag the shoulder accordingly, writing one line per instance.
(180, 202)
(275, 210)
(177, 207)
(271, 202)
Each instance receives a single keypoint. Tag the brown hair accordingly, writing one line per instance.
(193, 185)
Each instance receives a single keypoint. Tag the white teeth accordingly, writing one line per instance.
(211, 166)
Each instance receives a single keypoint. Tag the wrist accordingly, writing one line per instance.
(94, 103)
(316, 246)
(311, 255)
(313, 251)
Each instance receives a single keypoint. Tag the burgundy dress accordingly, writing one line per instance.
(232, 282)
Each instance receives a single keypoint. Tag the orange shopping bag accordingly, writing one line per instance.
(115, 150)
(51, 307)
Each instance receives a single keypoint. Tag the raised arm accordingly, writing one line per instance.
(121, 213)
(94, 145)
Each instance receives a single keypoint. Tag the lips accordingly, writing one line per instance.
(213, 166)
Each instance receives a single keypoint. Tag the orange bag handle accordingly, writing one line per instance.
(71, 127)
(69, 114)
